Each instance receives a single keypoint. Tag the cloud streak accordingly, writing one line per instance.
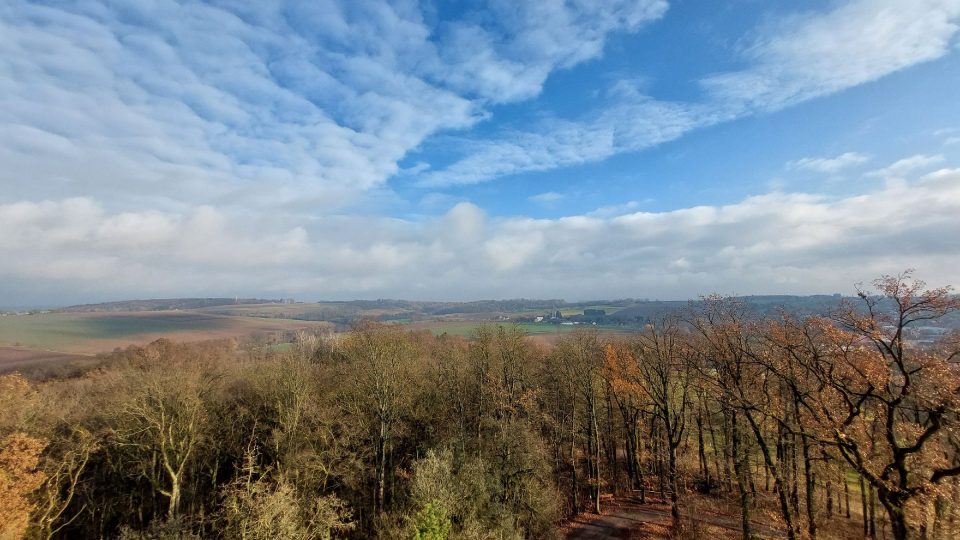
(803, 57)
(812, 55)
(561, 143)
(903, 167)
(830, 165)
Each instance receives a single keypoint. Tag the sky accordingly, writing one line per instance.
(456, 150)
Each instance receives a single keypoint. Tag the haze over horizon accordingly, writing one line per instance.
(572, 301)
(441, 151)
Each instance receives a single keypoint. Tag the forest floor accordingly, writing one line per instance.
(625, 517)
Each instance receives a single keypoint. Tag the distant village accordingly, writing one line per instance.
(589, 316)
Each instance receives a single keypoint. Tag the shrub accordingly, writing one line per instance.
(432, 522)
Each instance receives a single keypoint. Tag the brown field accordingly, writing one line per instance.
(18, 358)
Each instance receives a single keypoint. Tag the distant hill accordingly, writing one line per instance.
(643, 311)
(163, 304)
(621, 312)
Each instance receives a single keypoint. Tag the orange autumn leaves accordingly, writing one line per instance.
(623, 373)
(19, 478)
(20, 454)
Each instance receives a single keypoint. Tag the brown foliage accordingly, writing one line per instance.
(19, 479)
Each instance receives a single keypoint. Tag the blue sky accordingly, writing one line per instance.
(460, 150)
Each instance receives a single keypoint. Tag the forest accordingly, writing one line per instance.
(832, 425)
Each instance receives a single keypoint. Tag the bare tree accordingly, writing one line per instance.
(580, 358)
(664, 361)
(378, 364)
(162, 424)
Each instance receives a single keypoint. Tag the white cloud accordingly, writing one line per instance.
(184, 101)
(171, 148)
(908, 165)
(949, 136)
(509, 56)
(547, 197)
(778, 242)
(262, 104)
(562, 143)
(800, 58)
(811, 55)
(617, 209)
(829, 165)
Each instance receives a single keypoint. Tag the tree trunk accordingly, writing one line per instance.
(611, 443)
(739, 466)
(674, 490)
(174, 496)
(656, 452)
(591, 466)
(381, 473)
(639, 464)
(388, 475)
(596, 459)
(810, 486)
(573, 475)
(766, 479)
(829, 489)
(795, 472)
(863, 507)
(717, 456)
(701, 453)
(941, 516)
(895, 511)
(628, 440)
(846, 492)
(778, 484)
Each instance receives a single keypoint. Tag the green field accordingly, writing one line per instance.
(101, 332)
(567, 312)
(62, 330)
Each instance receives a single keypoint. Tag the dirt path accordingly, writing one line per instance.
(625, 517)
(621, 518)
